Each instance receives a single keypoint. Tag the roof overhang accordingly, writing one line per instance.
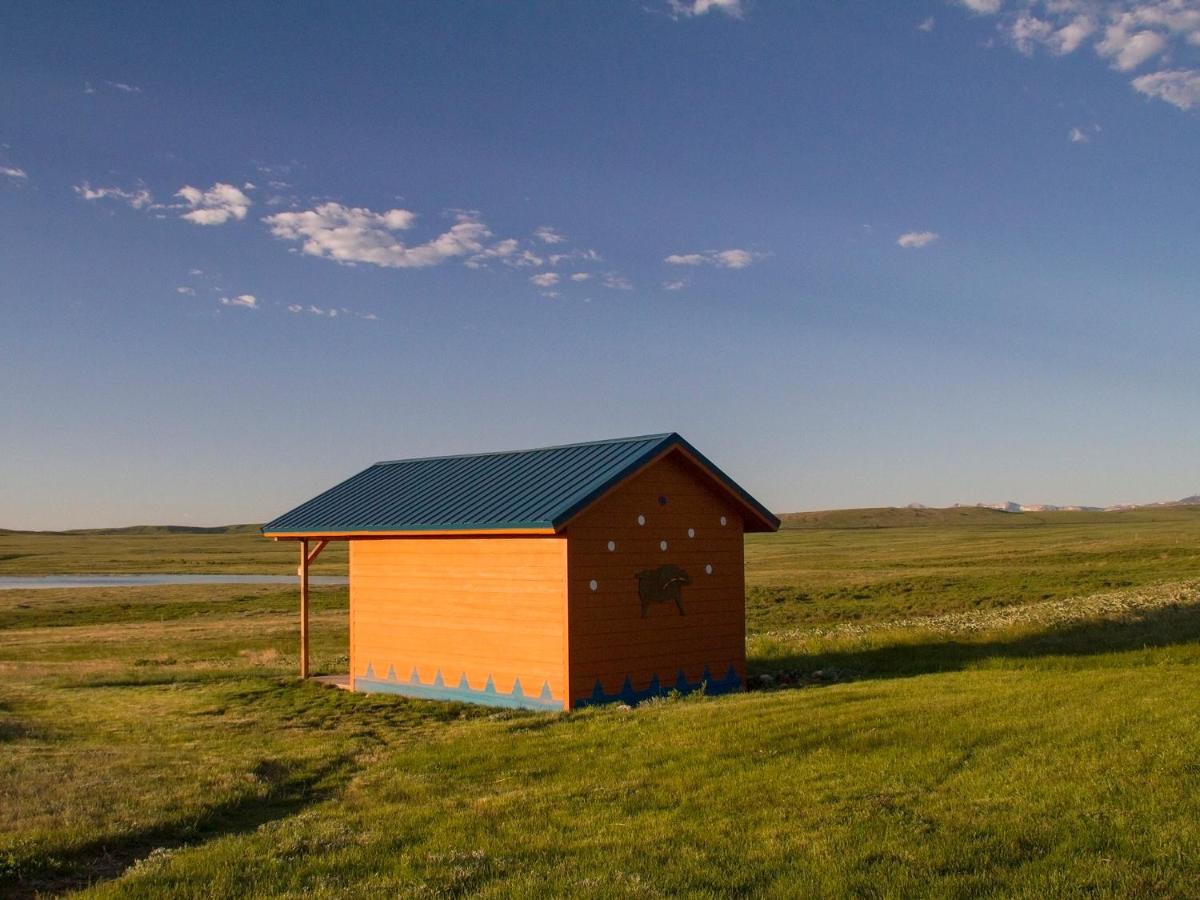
(407, 532)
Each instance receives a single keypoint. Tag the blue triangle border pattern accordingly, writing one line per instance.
(439, 689)
(630, 696)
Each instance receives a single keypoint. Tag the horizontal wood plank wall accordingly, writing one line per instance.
(490, 607)
(609, 639)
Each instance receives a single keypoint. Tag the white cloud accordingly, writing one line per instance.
(1129, 50)
(1127, 33)
(358, 235)
(674, 285)
(686, 9)
(548, 235)
(725, 259)
(615, 281)
(736, 259)
(138, 199)
(983, 7)
(216, 206)
(1077, 136)
(581, 276)
(191, 292)
(1179, 87)
(926, 24)
(247, 301)
(914, 239)
(13, 172)
(545, 279)
(195, 271)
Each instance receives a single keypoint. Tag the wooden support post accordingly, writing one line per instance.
(303, 572)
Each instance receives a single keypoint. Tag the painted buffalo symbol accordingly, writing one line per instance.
(662, 585)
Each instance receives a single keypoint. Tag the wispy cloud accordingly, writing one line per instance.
(138, 198)
(581, 276)
(674, 285)
(916, 239)
(545, 279)
(615, 281)
(555, 259)
(122, 87)
(14, 172)
(332, 312)
(1126, 33)
(216, 206)
(246, 301)
(687, 9)
(926, 24)
(1077, 136)
(189, 291)
(350, 235)
(724, 259)
(509, 252)
(548, 235)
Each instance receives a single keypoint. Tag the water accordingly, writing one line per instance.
(24, 582)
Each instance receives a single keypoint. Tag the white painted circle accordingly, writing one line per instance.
(722, 520)
(662, 545)
(707, 570)
(612, 545)
(641, 520)
(691, 532)
(593, 584)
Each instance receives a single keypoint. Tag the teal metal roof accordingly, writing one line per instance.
(510, 490)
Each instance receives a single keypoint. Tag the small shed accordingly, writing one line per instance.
(545, 579)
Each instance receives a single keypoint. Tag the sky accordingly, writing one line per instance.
(859, 253)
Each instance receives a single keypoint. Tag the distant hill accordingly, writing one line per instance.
(896, 517)
(148, 530)
(916, 516)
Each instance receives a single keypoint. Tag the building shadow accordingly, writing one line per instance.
(93, 863)
(1161, 627)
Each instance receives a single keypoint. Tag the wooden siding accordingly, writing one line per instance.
(608, 638)
(487, 607)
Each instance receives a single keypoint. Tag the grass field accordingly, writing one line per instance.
(991, 705)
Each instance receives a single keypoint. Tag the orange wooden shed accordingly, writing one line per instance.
(545, 579)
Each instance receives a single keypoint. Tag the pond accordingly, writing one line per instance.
(25, 582)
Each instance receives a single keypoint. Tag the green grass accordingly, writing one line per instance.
(153, 740)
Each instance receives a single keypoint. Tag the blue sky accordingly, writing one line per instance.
(859, 253)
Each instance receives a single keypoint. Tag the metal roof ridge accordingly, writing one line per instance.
(622, 440)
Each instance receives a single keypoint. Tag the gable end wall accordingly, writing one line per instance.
(613, 651)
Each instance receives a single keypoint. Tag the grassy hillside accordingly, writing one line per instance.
(862, 565)
(153, 741)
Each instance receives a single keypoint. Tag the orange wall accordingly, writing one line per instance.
(608, 637)
(490, 607)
